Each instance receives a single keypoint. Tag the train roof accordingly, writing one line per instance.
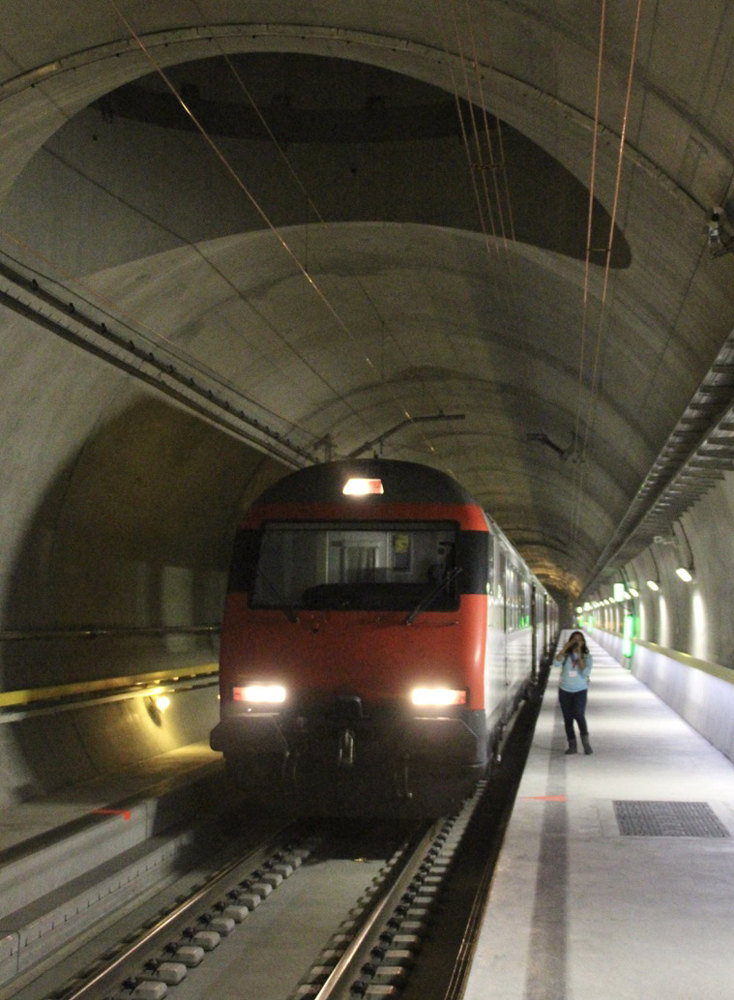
(402, 482)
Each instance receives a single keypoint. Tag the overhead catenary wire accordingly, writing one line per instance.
(591, 410)
(587, 267)
(307, 196)
(229, 169)
(590, 219)
(495, 164)
(55, 273)
(496, 220)
(503, 199)
(485, 212)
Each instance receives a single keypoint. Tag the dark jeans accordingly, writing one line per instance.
(573, 706)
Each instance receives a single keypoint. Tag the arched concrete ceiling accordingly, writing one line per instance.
(419, 275)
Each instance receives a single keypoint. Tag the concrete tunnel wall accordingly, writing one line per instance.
(45, 754)
(118, 507)
(692, 618)
(704, 700)
(120, 511)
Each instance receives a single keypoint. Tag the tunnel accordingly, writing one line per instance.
(241, 238)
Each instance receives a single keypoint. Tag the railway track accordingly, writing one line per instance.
(253, 922)
(325, 911)
(316, 911)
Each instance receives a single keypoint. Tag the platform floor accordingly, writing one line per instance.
(578, 909)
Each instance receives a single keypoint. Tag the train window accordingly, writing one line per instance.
(489, 572)
(381, 566)
(512, 598)
(525, 606)
(244, 559)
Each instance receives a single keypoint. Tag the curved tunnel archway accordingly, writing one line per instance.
(107, 193)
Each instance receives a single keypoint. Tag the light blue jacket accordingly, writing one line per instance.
(573, 679)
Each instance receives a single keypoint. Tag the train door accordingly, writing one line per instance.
(507, 624)
(491, 640)
(502, 590)
(534, 631)
(496, 674)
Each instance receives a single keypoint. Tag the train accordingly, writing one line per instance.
(379, 633)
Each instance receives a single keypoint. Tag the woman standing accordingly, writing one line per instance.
(575, 661)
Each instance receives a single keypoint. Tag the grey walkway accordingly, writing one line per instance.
(580, 910)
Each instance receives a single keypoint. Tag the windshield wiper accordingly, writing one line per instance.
(288, 610)
(432, 594)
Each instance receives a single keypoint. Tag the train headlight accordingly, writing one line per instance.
(260, 694)
(437, 697)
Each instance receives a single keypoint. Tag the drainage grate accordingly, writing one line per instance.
(668, 819)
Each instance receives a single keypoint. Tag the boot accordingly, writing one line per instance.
(586, 744)
(571, 747)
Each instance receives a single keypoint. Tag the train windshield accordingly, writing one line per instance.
(375, 566)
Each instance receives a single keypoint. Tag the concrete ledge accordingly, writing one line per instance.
(57, 886)
(37, 872)
(37, 866)
(29, 935)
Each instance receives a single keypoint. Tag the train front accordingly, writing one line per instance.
(353, 643)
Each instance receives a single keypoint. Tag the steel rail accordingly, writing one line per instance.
(148, 936)
(390, 891)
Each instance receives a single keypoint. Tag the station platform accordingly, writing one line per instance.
(616, 876)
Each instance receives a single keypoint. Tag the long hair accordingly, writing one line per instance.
(584, 648)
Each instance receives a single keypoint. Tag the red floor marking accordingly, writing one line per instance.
(125, 813)
(546, 798)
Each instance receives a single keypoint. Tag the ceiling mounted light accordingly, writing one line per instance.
(654, 584)
(685, 570)
(720, 242)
